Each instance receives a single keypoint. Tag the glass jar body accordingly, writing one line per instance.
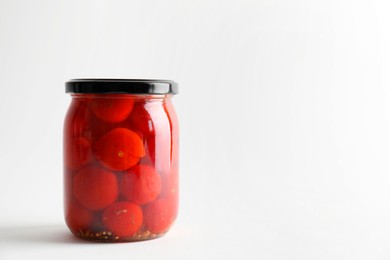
(120, 166)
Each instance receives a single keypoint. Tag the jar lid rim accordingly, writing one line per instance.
(121, 86)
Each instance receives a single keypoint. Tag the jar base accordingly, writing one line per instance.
(109, 237)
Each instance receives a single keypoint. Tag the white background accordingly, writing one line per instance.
(284, 109)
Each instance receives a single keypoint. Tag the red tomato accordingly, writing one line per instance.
(174, 133)
(159, 143)
(170, 190)
(95, 188)
(98, 129)
(76, 119)
(159, 150)
(112, 110)
(76, 141)
(119, 149)
(123, 218)
(78, 218)
(141, 184)
(170, 184)
(159, 215)
(140, 119)
(68, 193)
(77, 152)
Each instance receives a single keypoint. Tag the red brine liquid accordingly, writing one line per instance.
(120, 166)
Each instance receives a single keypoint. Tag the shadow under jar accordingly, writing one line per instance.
(120, 159)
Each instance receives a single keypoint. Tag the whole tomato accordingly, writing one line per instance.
(123, 218)
(141, 184)
(95, 188)
(112, 109)
(119, 149)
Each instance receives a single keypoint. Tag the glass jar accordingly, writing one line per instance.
(121, 162)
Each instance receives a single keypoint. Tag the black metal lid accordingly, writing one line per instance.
(121, 86)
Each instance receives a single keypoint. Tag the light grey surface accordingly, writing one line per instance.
(284, 114)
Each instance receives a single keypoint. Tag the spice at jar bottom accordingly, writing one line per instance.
(121, 159)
